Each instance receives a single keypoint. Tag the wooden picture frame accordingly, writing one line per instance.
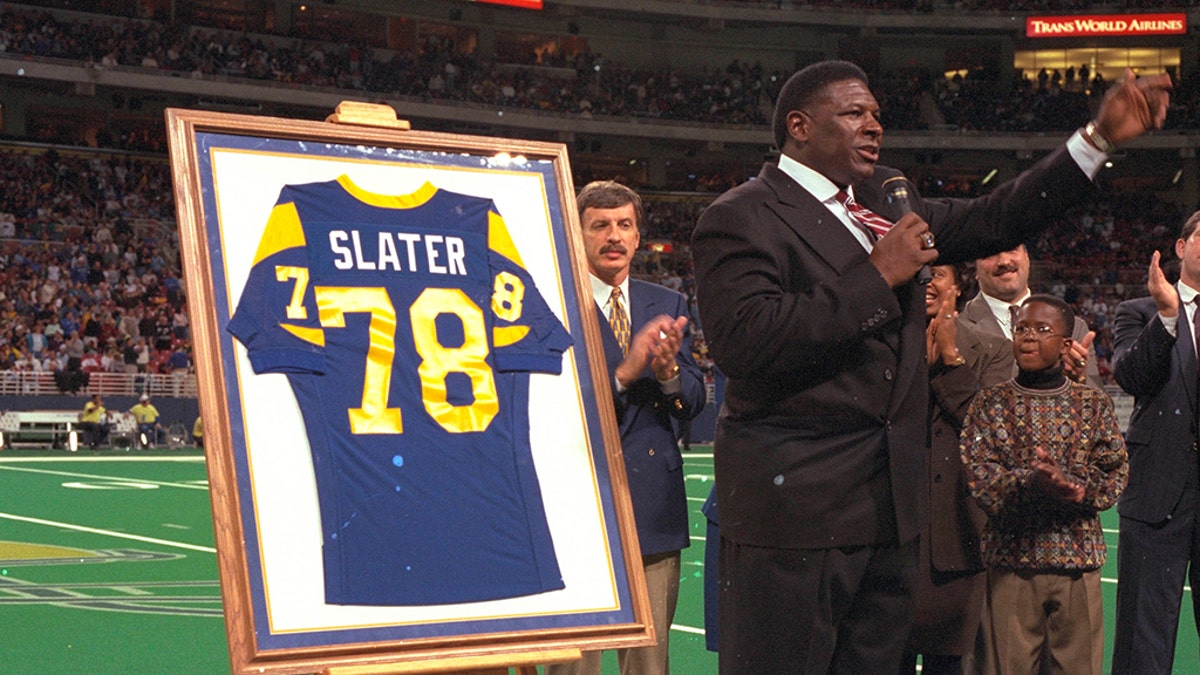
(270, 494)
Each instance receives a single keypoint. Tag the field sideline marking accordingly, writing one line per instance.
(109, 533)
(72, 474)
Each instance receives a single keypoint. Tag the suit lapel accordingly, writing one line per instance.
(641, 306)
(980, 316)
(608, 339)
(828, 237)
(812, 221)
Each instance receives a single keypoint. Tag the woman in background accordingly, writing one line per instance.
(950, 588)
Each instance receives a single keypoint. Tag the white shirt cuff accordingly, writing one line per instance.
(1087, 156)
(671, 386)
(1171, 324)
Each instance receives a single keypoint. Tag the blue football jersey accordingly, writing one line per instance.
(407, 327)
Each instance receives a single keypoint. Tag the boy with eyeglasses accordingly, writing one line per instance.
(1044, 455)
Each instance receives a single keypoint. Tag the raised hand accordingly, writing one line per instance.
(942, 336)
(1165, 297)
(655, 346)
(1134, 105)
(1076, 359)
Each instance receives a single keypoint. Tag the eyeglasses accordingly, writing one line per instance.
(1040, 332)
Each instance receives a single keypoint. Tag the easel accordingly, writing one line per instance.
(367, 115)
(383, 116)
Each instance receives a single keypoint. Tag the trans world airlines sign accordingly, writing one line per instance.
(1106, 25)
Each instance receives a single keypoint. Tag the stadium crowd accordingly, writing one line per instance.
(559, 81)
(89, 273)
(89, 269)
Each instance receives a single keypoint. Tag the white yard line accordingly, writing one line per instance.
(107, 533)
(101, 477)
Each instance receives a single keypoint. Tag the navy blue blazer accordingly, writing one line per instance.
(653, 463)
(1159, 371)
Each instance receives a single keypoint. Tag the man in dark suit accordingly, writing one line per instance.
(1154, 342)
(1003, 285)
(820, 327)
(648, 347)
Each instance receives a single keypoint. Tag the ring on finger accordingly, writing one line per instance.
(927, 240)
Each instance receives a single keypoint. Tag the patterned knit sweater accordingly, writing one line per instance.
(1028, 529)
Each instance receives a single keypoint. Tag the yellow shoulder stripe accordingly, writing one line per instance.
(283, 232)
(314, 336)
(503, 336)
(500, 241)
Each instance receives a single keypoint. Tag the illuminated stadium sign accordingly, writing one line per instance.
(1106, 25)
(524, 4)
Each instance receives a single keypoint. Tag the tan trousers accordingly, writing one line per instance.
(1044, 623)
(662, 582)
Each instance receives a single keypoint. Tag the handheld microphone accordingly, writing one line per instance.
(896, 188)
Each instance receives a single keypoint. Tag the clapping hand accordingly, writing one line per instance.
(941, 336)
(655, 346)
(1165, 297)
(1052, 480)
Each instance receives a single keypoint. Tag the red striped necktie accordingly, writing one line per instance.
(875, 223)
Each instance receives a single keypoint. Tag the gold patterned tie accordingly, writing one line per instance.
(619, 320)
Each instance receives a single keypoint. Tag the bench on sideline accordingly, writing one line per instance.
(52, 428)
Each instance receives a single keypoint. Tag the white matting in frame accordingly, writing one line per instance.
(247, 184)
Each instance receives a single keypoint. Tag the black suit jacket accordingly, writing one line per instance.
(653, 463)
(1159, 371)
(821, 439)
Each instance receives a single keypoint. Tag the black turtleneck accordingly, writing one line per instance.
(1050, 378)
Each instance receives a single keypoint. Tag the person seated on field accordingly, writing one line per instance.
(150, 431)
(198, 432)
(93, 422)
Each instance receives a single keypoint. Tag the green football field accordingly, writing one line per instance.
(107, 565)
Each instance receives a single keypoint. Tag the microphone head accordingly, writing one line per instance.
(896, 189)
(896, 186)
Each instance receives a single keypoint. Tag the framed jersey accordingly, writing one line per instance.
(409, 428)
